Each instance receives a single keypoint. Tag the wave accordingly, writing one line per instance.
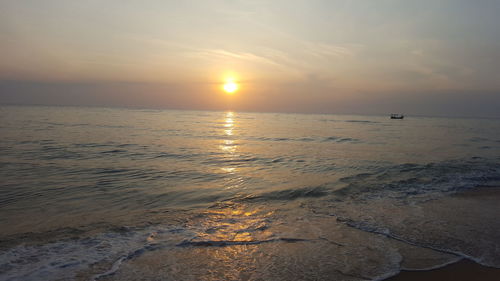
(386, 231)
(60, 260)
(311, 139)
(431, 206)
(224, 243)
(289, 194)
(406, 180)
(350, 121)
(361, 121)
(341, 139)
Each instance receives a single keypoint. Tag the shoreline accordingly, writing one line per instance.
(462, 270)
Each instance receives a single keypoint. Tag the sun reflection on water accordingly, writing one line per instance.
(228, 170)
(235, 223)
(228, 144)
(232, 221)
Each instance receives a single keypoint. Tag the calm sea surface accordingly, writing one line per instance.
(120, 194)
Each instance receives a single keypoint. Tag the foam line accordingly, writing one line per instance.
(388, 234)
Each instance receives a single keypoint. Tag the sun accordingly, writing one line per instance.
(230, 87)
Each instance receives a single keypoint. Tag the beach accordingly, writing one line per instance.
(216, 140)
(461, 271)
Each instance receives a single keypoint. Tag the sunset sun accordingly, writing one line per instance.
(230, 87)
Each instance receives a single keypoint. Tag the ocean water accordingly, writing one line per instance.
(124, 194)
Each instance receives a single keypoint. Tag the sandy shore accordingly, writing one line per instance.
(464, 270)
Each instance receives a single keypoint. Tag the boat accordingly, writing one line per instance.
(397, 116)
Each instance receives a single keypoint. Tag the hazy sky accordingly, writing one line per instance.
(416, 57)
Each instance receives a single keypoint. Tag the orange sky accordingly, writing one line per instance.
(425, 57)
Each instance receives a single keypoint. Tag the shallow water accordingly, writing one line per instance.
(99, 193)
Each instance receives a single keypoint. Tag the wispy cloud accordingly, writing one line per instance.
(322, 50)
(220, 54)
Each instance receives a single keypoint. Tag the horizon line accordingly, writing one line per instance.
(247, 111)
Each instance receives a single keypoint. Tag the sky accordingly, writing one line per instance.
(366, 57)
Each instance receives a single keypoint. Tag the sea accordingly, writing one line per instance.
(89, 193)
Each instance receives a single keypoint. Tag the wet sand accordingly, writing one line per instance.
(464, 270)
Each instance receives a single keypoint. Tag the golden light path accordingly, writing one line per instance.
(228, 145)
(234, 221)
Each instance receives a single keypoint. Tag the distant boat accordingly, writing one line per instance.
(397, 116)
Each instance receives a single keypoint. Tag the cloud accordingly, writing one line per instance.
(224, 55)
(322, 50)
